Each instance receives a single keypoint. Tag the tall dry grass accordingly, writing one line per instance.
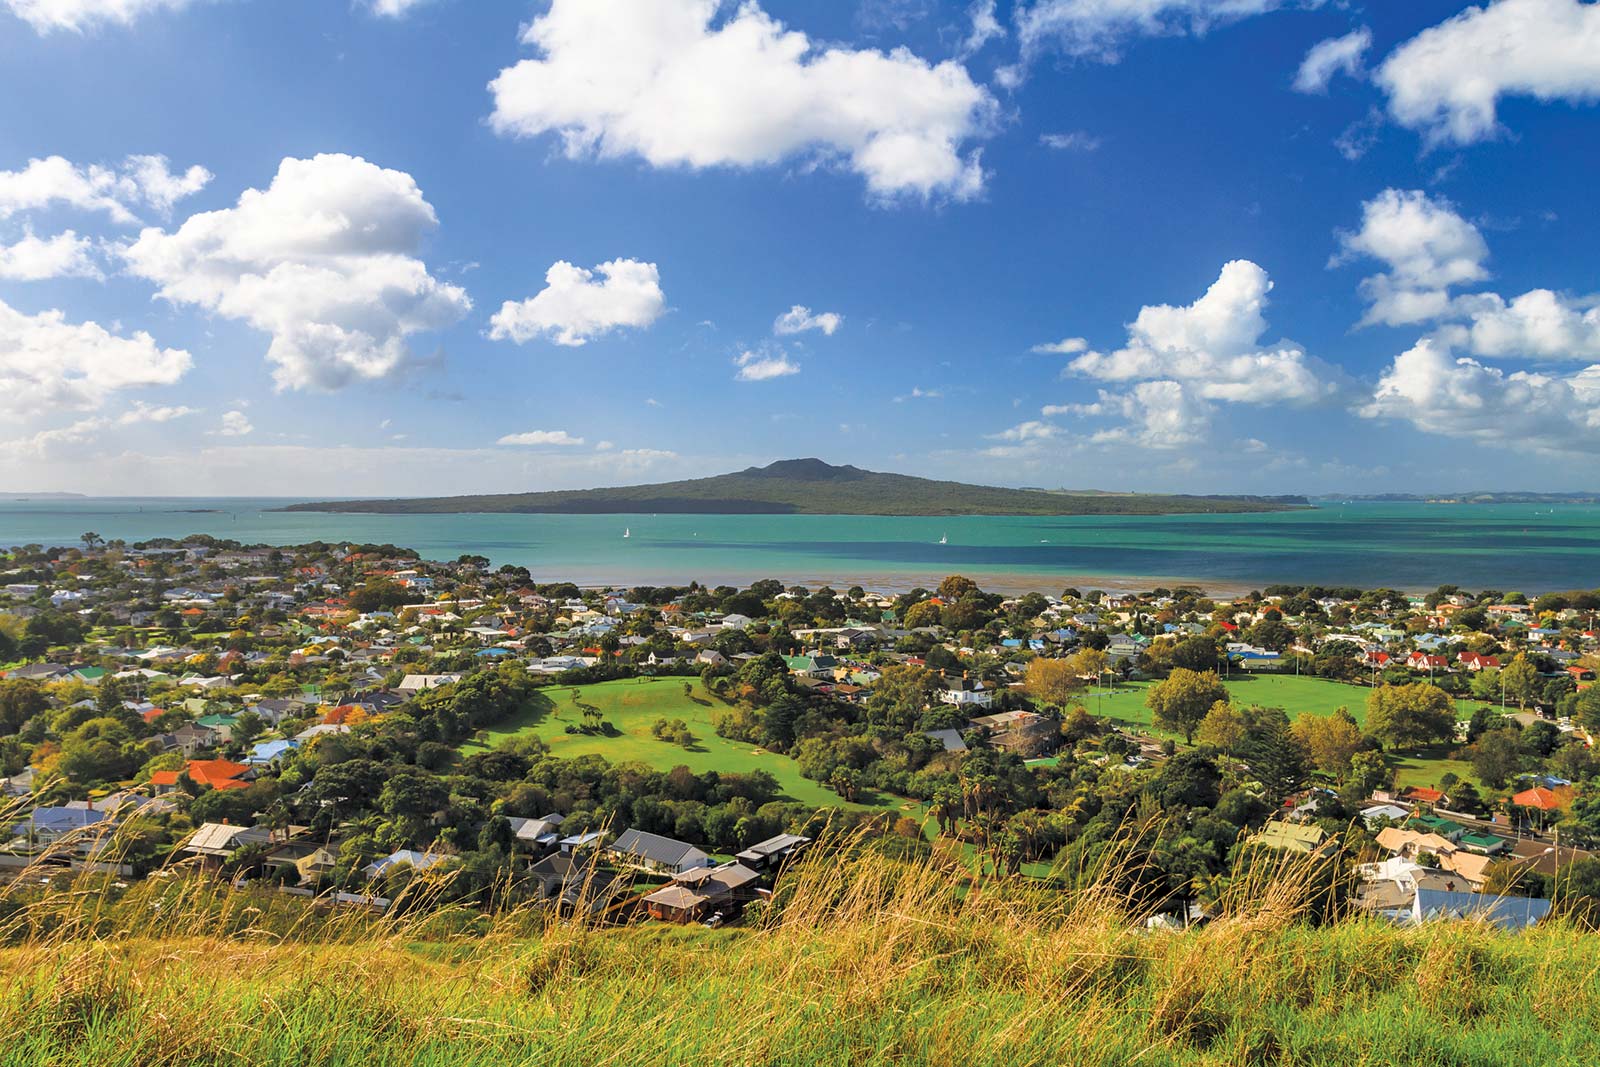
(859, 959)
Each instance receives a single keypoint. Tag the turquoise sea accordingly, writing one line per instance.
(1406, 546)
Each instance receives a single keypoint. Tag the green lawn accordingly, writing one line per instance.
(1297, 696)
(633, 706)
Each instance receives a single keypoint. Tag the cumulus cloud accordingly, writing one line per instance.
(137, 182)
(1160, 414)
(799, 319)
(1101, 29)
(49, 364)
(79, 15)
(1426, 245)
(323, 260)
(1539, 324)
(574, 307)
(33, 259)
(1438, 393)
(1336, 55)
(536, 438)
(1447, 81)
(763, 365)
(1067, 346)
(664, 81)
(235, 424)
(1214, 345)
(919, 393)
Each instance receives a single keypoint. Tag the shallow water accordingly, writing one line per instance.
(1406, 546)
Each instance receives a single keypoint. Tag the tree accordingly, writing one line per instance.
(20, 701)
(1408, 716)
(1224, 727)
(1586, 710)
(1276, 756)
(247, 726)
(1052, 681)
(1497, 757)
(956, 587)
(1521, 680)
(1181, 702)
(900, 696)
(1369, 772)
(1331, 741)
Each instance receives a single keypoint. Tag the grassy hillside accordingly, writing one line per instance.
(634, 705)
(872, 962)
(812, 487)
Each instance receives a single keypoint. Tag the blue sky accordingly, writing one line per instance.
(311, 247)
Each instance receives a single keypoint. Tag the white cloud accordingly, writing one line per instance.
(656, 79)
(1448, 80)
(48, 363)
(1066, 347)
(1033, 430)
(761, 366)
(1159, 414)
(919, 393)
(1457, 397)
(1539, 324)
(799, 319)
(235, 424)
(33, 259)
(70, 440)
(394, 9)
(1336, 55)
(1427, 247)
(79, 15)
(985, 28)
(574, 308)
(1214, 344)
(323, 260)
(1100, 29)
(1072, 141)
(534, 438)
(138, 181)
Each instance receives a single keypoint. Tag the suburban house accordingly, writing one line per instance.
(1291, 836)
(540, 833)
(774, 853)
(405, 857)
(215, 842)
(1508, 913)
(695, 894)
(1023, 732)
(656, 854)
(206, 773)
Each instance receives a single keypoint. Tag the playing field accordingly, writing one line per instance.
(1297, 696)
(633, 706)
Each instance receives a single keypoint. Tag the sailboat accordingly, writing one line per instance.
(945, 540)
(627, 532)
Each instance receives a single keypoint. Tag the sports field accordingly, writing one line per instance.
(633, 706)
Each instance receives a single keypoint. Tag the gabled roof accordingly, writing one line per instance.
(1538, 797)
(655, 849)
(1508, 913)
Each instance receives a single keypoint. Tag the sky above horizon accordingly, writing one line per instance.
(418, 247)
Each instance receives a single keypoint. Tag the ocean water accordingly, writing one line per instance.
(1405, 546)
